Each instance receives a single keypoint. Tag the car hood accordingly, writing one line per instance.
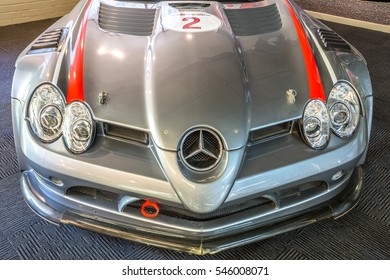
(233, 78)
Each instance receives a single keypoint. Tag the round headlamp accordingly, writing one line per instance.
(315, 124)
(344, 109)
(45, 112)
(78, 127)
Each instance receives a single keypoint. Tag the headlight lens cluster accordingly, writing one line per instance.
(78, 127)
(341, 114)
(45, 112)
(49, 117)
(316, 128)
(344, 109)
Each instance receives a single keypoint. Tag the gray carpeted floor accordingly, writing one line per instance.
(372, 11)
(362, 234)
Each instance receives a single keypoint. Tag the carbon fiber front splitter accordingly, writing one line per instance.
(334, 208)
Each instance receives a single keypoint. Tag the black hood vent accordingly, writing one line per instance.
(189, 5)
(131, 21)
(49, 41)
(254, 21)
(332, 41)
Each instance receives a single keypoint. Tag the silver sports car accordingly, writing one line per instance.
(191, 125)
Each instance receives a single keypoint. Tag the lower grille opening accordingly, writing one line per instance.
(303, 191)
(94, 193)
(282, 198)
(224, 211)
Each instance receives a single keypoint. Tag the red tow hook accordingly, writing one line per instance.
(150, 209)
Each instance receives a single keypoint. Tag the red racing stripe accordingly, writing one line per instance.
(313, 75)
(76, 75)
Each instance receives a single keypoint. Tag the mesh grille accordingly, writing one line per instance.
(191, 140)
(131, 21)
(201, 149)
(211, 139)
(224, 211)
(200, 157)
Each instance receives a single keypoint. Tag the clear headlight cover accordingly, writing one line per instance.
(315, 124)
(45, 112)
(344, 109)
(78, 127)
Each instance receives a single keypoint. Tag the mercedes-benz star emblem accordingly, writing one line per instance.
(201, 149)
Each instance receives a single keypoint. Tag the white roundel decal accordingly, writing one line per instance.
(191, 22)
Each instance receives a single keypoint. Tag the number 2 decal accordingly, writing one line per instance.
(189, 25)
(191, 22)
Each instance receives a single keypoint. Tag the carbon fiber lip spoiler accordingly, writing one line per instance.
(341, 204)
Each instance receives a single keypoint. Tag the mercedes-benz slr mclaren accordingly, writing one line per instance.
(191, 125)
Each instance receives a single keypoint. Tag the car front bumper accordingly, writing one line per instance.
(245, 232)
(279, 170)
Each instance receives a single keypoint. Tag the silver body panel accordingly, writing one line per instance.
(167, 83)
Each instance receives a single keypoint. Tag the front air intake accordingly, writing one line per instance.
(125, 133)
(130, 21)
(49, 41)
(271, 132)
(225, 211)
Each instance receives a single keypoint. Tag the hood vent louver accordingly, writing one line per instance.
(130, 21)
(189, 5)
(49, 41)
(254, 21)
(332, 41)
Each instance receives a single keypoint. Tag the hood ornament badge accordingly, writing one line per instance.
(291, 94)
(103, 96)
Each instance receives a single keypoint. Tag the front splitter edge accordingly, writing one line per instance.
(335, 208)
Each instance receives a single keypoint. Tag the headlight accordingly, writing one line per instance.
(344, 109)
(315, 124)
(78, 127)
(45, 112)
